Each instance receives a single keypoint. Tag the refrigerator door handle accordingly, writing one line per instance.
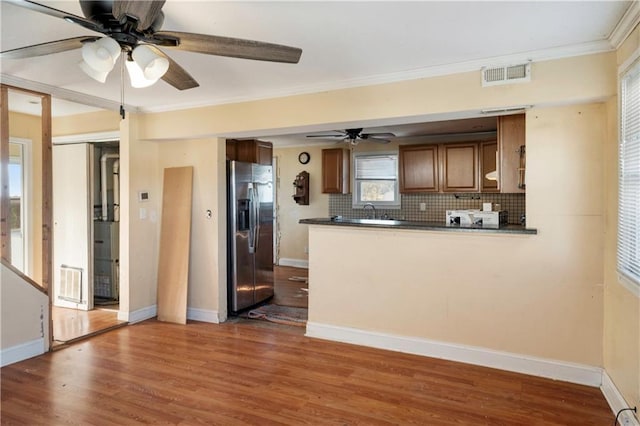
(256, 197)
(252, 219)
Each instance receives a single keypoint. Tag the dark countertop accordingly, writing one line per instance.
(419, 226)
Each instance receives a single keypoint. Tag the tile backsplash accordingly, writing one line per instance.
(436, 205)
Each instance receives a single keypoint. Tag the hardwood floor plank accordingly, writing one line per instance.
(70, 325)
(250, 372)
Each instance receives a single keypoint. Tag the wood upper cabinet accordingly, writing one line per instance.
(335, 171)
(250, 151)
(511, 144)
(460, 168)
(488, 163)
(418, 168)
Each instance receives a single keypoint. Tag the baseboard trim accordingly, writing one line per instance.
(138, 315)
(613, 396)
(21, 352)
(296, 263)
(552, 369)
(204, 315)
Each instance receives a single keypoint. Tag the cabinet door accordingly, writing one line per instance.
(418, 168)
(253, 151)
(264, 152)
(488, 163)
(511, 137)
(335, 171)
(460, 168)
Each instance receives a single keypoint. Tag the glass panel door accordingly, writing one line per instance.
(17, 206)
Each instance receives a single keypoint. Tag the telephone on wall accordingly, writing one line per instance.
(301, 189)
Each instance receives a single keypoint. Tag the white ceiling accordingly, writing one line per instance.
(344, 44)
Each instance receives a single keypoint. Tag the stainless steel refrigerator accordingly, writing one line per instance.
(249, 234)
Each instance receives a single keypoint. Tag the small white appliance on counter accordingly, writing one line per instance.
(476, 218)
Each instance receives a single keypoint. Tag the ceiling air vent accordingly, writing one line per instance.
(492, 76)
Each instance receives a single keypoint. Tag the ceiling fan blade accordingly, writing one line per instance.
(384, 135)
(326, 136)
(176, 75)
(378, 140)
(233, 47)
(46, 48)
(69, 17)
(144, 11)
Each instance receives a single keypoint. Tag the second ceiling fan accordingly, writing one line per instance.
(354, 136)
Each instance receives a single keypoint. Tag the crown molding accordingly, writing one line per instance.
(627, 23)
(67, 95)
(428, 72)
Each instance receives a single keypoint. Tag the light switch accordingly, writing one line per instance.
(143, 213)
(153, 216)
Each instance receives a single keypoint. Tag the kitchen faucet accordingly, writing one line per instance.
(372, 207)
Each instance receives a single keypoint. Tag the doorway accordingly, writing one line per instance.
(86, 243)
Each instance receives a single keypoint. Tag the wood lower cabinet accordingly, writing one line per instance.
(460, 168)
(335, 171)
(250, 151)
(511, 143)
(488, 163)
(418, 168)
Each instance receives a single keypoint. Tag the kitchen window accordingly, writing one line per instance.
(629, 177)
(375, 180)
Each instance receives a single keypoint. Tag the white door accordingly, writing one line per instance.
(72, 226)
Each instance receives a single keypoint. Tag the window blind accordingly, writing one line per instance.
(376, 167)
(629, 176)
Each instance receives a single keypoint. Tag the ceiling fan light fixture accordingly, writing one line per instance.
(102, 54)
(138, 80)
(150, 63)
(100, 76)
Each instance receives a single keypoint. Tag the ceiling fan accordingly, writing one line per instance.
(133, 28)
(354, 136)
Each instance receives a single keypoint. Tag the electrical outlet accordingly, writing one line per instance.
(423, 207)
(306, 249)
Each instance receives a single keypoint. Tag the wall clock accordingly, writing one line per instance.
(304, 157)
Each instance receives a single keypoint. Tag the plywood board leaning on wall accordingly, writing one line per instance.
(175, 233)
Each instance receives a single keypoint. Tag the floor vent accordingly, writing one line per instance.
(493, 76)
(70, 284)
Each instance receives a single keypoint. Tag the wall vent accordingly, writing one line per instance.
(70, 284)
(507, 74)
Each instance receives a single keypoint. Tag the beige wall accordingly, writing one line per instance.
(93, 122)
(24, 312)
(294, 237)
(621, 306)
(139, 171)
(538, 295)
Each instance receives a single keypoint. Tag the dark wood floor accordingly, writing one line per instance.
(257, 373)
